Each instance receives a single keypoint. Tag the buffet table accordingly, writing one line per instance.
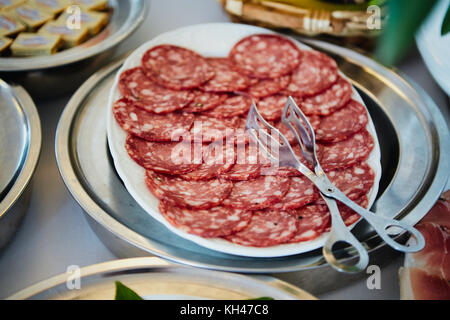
(55, 234)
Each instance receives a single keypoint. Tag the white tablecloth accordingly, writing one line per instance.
(55, 234)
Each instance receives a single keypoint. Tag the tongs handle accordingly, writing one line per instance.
(340, 233)
(381, 224)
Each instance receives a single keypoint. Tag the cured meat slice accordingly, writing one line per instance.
(289, 135)
(330, 100)
(259, 193)
(346, 153)
(354, 181)
(188, 194)
(248, 163)
(207, 129)
(218, 159)
(271, 108)
(135, 85)
(312, 221)
(212, 223)
(266, 228)
(176, 67)
(301, 192)
(150, 126)
(234, 105)
(226, 79)
(348, 215)
(265, 56)
(418, 284)
(343, 123)
(316, 73)
(204, 101)
(162, 157)
(267, 87)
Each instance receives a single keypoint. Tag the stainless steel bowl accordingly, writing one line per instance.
(50, 76)
(20, 145)
(153, 278)
(413, 139)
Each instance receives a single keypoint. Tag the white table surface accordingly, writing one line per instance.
(55, 234)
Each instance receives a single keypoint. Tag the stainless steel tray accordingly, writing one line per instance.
(48, 76)
(154, 278)
(413, 137)
(20, 146)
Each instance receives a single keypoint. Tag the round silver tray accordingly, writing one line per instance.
(20, 146)
(153, 278)
(413, 138)
(47, 76)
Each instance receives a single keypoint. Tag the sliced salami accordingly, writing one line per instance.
(328, 101)
(266, 87)
(135, 85)
(212, 223)
(218, 159)
(162, 157)
(204, 101)
(266, 228)
(208, 129)
(234, 105)
(289, 135)
(188, 194)
(226, 79)
(176, 67)
(354, 181)
(346, 153)
(312, 221)
(265, 56)
(271, 108)
(248, 163)
(316, 73)
(259, 193)
(150, 126)
(343, 123)
(301, 192)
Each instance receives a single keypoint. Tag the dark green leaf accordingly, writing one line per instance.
(405, 18)
(446, 23)
(125, 293)
(263, 298)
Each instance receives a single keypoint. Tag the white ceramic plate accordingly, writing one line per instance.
(210, 40)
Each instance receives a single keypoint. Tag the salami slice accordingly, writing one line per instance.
(265, 56)
(150, 126)
(218, 159)
(271, 108)
(312, 221)
(248, 163)
(289, 135)
(208, 129)
(212, 223)
(353, 182)
(346, 153)
(135, 85)
(188, 194)
(328, 101)
(301, 192)
(176, 67)
(162, 157)
(226, 79)
(204, 101)
(266, 228)
(258, 193)
(267, 87)
(234, 105)
(316, 73)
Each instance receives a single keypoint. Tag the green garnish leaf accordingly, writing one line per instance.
(446, 23)
(125, 293)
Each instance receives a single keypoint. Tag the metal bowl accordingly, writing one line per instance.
(153, 278)
(60, 73)
(20, 145)
(413, 139)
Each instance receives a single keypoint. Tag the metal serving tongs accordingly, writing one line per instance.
(277, 148)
